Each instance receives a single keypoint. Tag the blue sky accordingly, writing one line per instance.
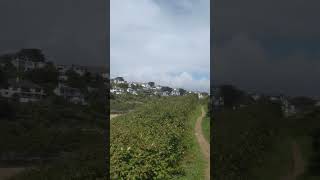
(164, 41)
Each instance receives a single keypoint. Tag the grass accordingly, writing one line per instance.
(193, 163)
(277, 160)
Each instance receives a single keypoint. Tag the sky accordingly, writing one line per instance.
(164, 41)
(68, 31)
(269, 46)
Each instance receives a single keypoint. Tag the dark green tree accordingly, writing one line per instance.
(75, 80)
(182, 91)
(151, 84)
(31, 54)
(231, 95)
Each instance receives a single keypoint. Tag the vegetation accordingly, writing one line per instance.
(53, 138)
(151, 142)
(245, 141)
(127, 102)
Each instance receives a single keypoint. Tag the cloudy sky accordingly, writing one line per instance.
(164, 41)
(268, 46)
(68, 31)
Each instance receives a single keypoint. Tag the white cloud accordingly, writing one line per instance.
(161, 41)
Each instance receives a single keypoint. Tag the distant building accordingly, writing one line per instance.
(26, 64)
(146, 86)
(81, 70)
(287, 108)
(132, 91)
(62, 69)
(202, 95)
(105, 75)
(274, 98)
(255, 97)
(73, 95)
(175, 92)
(24, 91)
(117, 91)
(218, 101)
(165, 93)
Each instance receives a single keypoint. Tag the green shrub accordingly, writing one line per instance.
(148, 143)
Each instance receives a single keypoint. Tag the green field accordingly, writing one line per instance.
(256, 142)
(156, 141)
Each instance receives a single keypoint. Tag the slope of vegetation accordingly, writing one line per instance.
(250, 143)
(59, 141)
(151, 142)
(127, 102)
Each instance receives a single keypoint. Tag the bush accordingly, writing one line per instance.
(148, 143)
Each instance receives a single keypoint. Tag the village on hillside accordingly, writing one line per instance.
(25, 73)
(51, 114)
(120, 86)
(289, 105)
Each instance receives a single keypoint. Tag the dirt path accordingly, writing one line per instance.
(298, 165)
(204, 145)
(113, 115)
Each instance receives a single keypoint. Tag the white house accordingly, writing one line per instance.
(287, 108)
(105, 75)
(274, 98)
(81, 70)
(62, 69)
(24, 91)
(117, 90)
(165, 93)
(255, 97)
(132, 91)
(62, 77)
(218, 101)
(201, 95)
(146, 86)
(26, 64)
(71, 94)
(175, 92)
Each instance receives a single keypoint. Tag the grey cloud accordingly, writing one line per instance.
(245, 63)
(69, 31)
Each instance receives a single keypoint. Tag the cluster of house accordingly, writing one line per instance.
(287, 107)
(27, 91)
(120, 86)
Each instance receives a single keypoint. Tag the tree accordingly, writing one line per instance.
(31, 54)
(166, 88)
(231, 95)
(182, 91)
(123, 86)
(119, 78)
(45, 75)
(75, 80)
(303, 102)
(151, 84)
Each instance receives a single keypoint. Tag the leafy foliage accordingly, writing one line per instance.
(149, 143)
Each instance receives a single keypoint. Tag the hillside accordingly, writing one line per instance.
(154, 140)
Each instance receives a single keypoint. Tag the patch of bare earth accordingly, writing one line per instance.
(298, 164)
(204, 145)
(113, 115)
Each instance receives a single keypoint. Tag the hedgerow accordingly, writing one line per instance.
(149, 143)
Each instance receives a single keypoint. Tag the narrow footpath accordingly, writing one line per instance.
(204, 145)
(298, 164)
